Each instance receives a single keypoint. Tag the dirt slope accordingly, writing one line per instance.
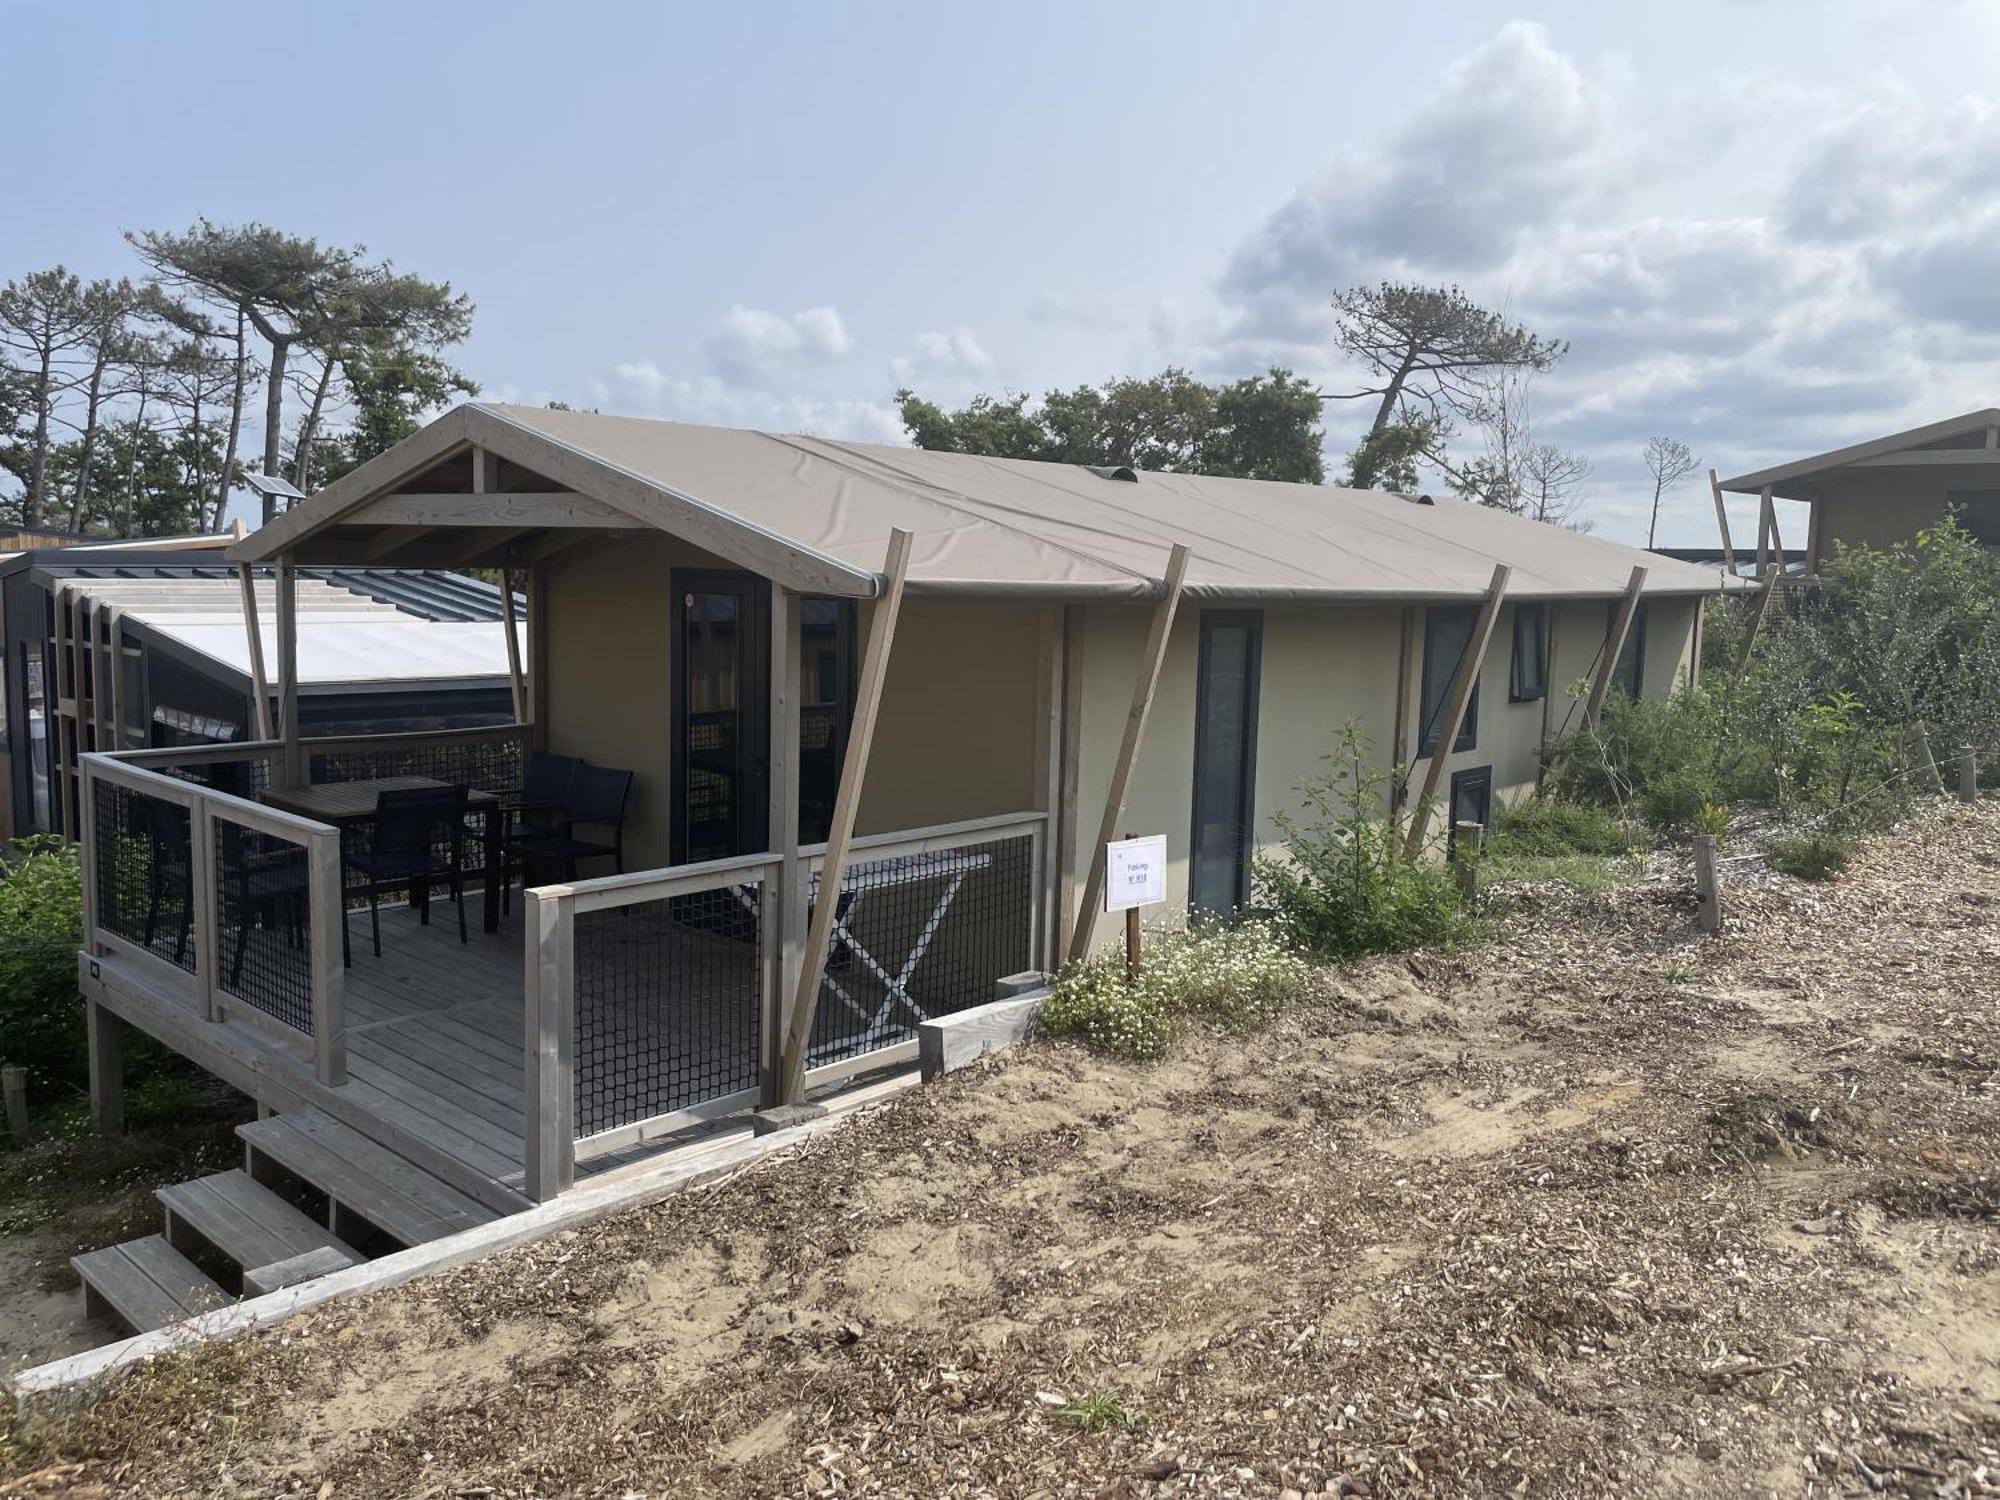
(1599, 1209)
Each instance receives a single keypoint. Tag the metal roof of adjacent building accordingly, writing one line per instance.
(1935, 444)
(822, 511)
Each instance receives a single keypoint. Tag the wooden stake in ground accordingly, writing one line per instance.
(1707, 885)
(840, 825)
(1454, 715)
(1468, 839)
(1925, 763)
(1968, 774)
(1150, 658)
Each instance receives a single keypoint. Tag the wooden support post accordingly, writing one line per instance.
(549, 990)
(1757, 620)
(1919, 743)
(516, 681)
(1968, 774)
(1469, 838)
(1150, 657)
(1777, 541)
(1549, 614)
(104, 1035)
(204, 919)
(538, 652)
(1399, 753)
(1764, 531)
(14, 1087)
(329, 967)
(1614, 645)
(1066, 802)
(1707, 883)
(840, 823)
(1812, 538)
(1454, 714)
(291, 766)
(1722, 524)
(1132, 931)
(783, 903)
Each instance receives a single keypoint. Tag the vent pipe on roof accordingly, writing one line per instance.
(1420, 500)
(1115, 471)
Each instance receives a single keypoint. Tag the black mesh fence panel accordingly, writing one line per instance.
(144, 866)
(239, 778)
(486, 764)
(919, 936)
(263, 923)
(667, 1005)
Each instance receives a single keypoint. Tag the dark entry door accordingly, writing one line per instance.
(721, 761)
(1225, 760)
(1471, 798)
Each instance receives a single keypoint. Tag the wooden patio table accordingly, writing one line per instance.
(346, 804)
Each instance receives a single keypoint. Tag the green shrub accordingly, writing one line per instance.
(1548, 827)
(1810, 856)
(1342, 887)
(41, 928)
(1234, 976)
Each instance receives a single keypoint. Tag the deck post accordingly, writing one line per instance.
(105, 1037)
(1462, 683)
(291, 769)
(516, 680)
(840, 829)
(253, 630)
(549, 1096)
(1614, 646)
(1143, 685)
(1722, 524)
(201, 880)
(329, 967)
(782, 902)
(538, 653)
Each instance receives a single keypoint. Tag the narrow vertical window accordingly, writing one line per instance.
(1225, 760)
(1527, 677)
(1447, 637)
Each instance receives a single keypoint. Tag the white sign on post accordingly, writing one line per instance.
(1135, 872)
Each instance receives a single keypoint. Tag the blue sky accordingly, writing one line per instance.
(1766, 228)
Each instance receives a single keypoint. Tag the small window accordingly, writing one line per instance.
(1447, 637)
(1527, 675)
(1630, 673)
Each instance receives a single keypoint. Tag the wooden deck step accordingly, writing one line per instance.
(362, 1177)
(244, 1220)
(146, 1283)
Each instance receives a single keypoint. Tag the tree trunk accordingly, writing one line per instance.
(274, 416)
(1388, 406)
(1654, 524)
(38, 474)
(80, 495)
(235, 425)
(309, 428)
(132, 459)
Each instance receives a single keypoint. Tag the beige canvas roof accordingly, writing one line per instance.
(1963, 441)
(818, 513)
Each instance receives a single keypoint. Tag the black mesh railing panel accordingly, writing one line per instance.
(239, 778)
(144, 868)
(263, 923)
(919, 936)
(485, 764)
(667, 1006)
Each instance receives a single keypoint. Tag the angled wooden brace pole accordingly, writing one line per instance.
(1454, 714)
(1722, 524)
(1777, 542)
(840, 826)
(1150, 658)
(1757, 620)
(260, 680)
(1614, 646)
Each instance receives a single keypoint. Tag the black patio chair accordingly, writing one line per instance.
(538, 807)
(405, 837)
(597, 799)
(271, 887)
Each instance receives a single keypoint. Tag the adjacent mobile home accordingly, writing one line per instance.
(724, 631)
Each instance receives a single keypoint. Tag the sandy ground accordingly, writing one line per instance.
(1598, 1209)
(41, 1309)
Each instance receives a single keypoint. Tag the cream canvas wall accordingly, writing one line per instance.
(1322, 666)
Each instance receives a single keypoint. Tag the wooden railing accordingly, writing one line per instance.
(654, 998)
(231, 905)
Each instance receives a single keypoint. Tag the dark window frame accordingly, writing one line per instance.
(1430, 726)
(1634, 681)
(1479, 778)
(1212, 620)
(753, 818)
(1535, 692)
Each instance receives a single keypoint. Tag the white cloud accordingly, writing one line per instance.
(642, 388)
(954, 351)
(1843, 278)
(749, 342)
